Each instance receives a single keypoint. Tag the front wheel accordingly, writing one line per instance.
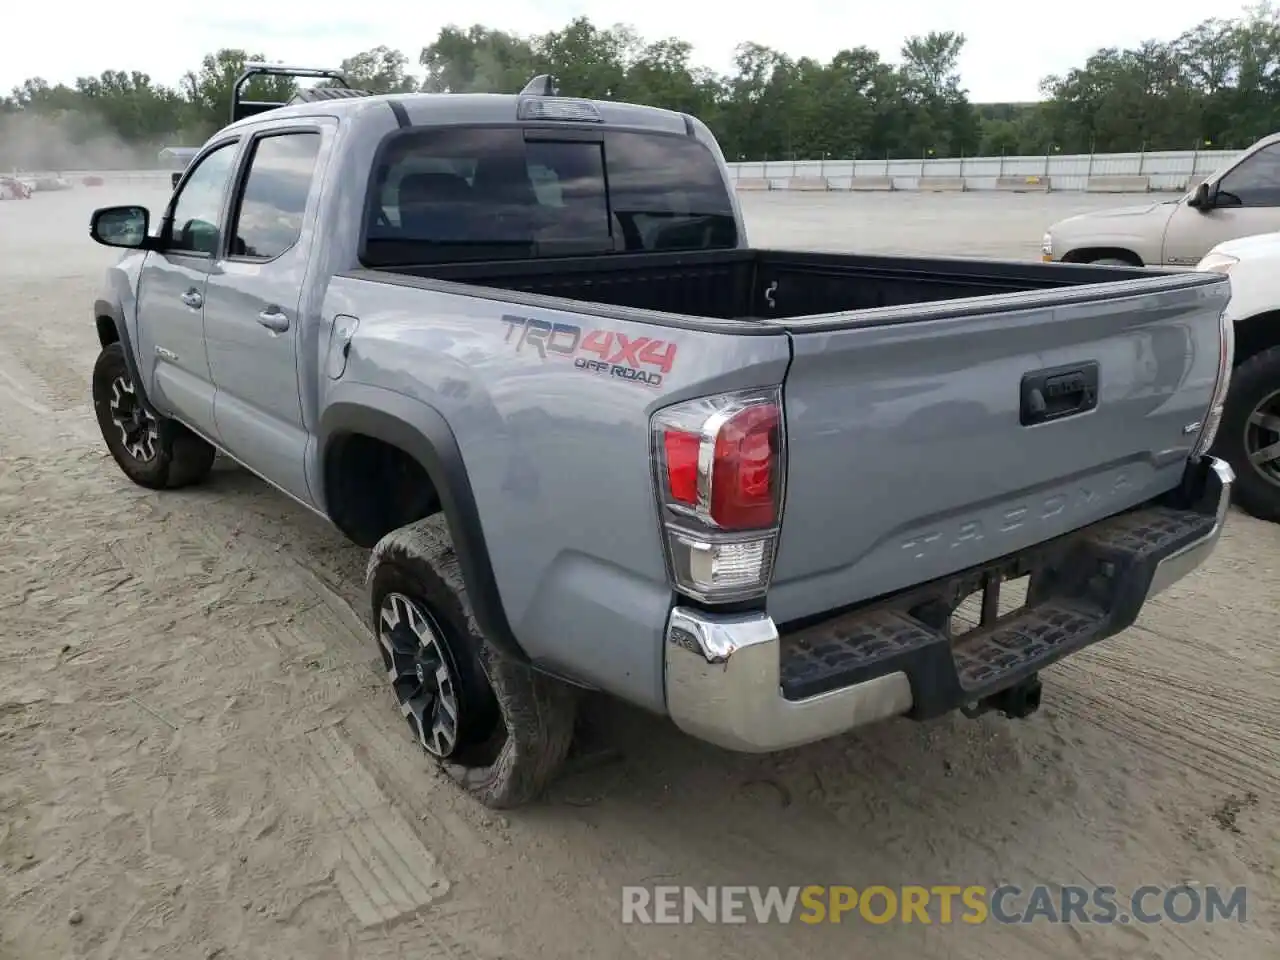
(497, 728)
(153, 452)
(1249, 435)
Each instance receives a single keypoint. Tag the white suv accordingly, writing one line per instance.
(1249, 437)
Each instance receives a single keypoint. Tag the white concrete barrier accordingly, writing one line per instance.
(939, 184)
(753, 183)
(1118, 185)
(871, 183)
(1023, 184)
(806, 183)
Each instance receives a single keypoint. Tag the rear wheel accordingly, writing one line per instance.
(1249, 436)
(497, 728)
(1114, 262)
(152, 451)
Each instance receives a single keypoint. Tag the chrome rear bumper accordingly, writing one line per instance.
(724, 672)
(1218, 480)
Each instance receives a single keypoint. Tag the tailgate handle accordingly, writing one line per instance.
(1058, 392)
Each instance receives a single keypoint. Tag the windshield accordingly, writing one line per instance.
(471, 193)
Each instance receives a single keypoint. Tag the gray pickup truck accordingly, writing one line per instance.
(520, 347)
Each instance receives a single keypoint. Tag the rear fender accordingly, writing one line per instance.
(422, 433)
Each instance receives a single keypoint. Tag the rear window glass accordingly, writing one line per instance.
(487, 192)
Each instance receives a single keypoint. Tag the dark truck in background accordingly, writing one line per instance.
(520, 347)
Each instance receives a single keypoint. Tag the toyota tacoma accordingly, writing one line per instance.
(520, 347)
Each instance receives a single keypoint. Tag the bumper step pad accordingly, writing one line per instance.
(1041, 634)
(1085, 587)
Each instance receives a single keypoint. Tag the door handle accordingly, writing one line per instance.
(1058, 392)
(193, 299)
(274, 320)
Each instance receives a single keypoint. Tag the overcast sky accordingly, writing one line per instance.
(1010, 45)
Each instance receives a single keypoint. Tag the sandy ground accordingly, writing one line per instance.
(199, 757)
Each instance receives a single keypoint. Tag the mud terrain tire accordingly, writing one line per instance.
(153, 452)
(513, 725)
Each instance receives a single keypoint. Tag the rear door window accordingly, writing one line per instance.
(491, 192)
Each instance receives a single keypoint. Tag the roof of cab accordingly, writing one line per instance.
(427, 109)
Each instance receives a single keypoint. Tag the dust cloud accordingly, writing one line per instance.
(35, 143)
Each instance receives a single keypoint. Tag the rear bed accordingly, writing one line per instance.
(750, 283)
(939, 414)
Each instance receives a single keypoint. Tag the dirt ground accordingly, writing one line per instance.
(199, 757)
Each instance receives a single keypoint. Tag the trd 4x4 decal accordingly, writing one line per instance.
(605, 352)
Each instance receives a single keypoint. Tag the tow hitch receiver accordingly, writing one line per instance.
(1017, 702)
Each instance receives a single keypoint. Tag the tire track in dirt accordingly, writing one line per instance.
(382, 869)
(161, 556)
(1174, 684)
(60, 373)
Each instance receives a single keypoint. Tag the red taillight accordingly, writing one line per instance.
(744, 475)
(681, 449)
(719, 466)
(728, 474)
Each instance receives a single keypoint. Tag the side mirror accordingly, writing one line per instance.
(199, 236)
(1201, 200)
(120, 227)
(174, 178)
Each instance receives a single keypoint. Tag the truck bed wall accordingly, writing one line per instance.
(745, 284)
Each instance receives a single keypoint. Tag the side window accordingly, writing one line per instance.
(1255, 182)
(269, 213)
(197, 214)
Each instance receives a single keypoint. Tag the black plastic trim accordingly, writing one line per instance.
(1013, 285)
(401, 114)
(1038, 387)
(423, 433)
(542, 134)
(104, 308)
(1052, 285)
(742, 328)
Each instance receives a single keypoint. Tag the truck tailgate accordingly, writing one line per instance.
(914, 449)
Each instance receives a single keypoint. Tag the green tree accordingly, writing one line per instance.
(938, 118)
(477, 60)
(1218, 83)
(135, 108)
(380, 70)
(208, 90)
